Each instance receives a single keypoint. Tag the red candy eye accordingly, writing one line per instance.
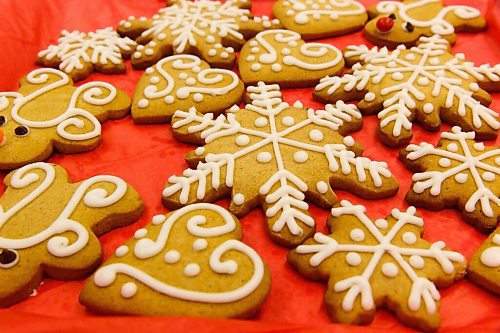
(384, 24)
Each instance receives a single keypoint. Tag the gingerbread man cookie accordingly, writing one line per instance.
(484, 266)
(382, 263)
(48, 112)
(190, 262)
(48, 225)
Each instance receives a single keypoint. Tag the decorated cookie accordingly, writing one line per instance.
(181, 81)
(209, 29)
(379, 264)
(280, 56)
(190, 262)
(484, 266)
(78, 54)
(48, 225)
(395, 22)
(320, 18)
(425, 84)
(459, 172)
(275, 156)
(49, 113)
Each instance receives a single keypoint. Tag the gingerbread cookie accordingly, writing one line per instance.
(484, 266)
(190, 262)
(209, 29)
(48, 225)
(181, 81)
(395, 22)
(48, 112)
(318, 19)
(459, 172)
(382, 263)
(280, 56)
(425, 83)
(275, 156)
(78, 54)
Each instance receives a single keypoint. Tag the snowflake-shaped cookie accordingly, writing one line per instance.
(395, 22)
(484, 266)
(190, 262)
(381, 263)
(78, 54)
(49, 113)
(423, 83)
(209, 29)
(274, 155)
(48, 225)
(459, 172)
(181, 81)
(320, 18)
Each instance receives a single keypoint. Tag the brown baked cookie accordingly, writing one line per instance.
(460, 173)
(78, 54)
(379, 264)
(190, 262)
(48, 225)
(281, 56)
(425, 83)
(393, 22)
(484, 266)
(209, 29)
(274, 155)
(318, 19)
(180, 82)
(48, 112)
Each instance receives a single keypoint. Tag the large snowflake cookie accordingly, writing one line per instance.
(320, 18)
(381, 263)
(395, 22)
(275, 155)
(190, 262)
(459, 172)
(484, 266)
(424, 83)
(48, 112)
(49, 225)
(281, 56)
(181, 81)
(209, 29)
(78, 54)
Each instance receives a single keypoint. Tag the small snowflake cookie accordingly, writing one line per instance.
(383, 263)
(275, 156)
(190, 262)
(48, 112)
(484, 266)
(49, 225)
(209, 29)
(459, 172)
(424, 83)
(79, 54)
(281, 56)
(320, 18)
(180, 82)
(394, 22)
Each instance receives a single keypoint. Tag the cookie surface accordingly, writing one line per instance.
(48, 112)
(484, 266)
(190, 262)
(393, 22)
(319, 19)
(48, 225)
(281, 56)
(210, 29)
(382, 263)
(78, 54)
(274, 155)
(180, 82)
(425, 83)
(460, 173)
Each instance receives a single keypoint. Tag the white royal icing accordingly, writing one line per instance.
(491, 256)
(303, 10)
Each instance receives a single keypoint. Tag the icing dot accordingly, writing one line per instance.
(255, 67)
(238, 199)
(198, 97)
(288, 121)
(276, 67)
(398, 76)
(150, 70)
(154, 79)
(439, 72)
(158, 219)
(218, 45)
(242, 140)
(322, 187)
(300, 156)
(298, 104)
(316, 135)
(292, 43)
(286, 51)
(253, 43)
(200, 244)
(149, 52)
(196, 69)
(444, 162)
(453, 147)
(389, 269)
(224, 55)
(141, 233)
(143, 103)
(434, 61)
(423, 81)
(260, 122)
(190, 81)
(349, 141)
(251, 58)
(491, 257)
(381, 224)
(212, 52)
(199, 151)
(428, 108)
(254, 50)
(479, 146)
(229, 50)
(121, 251)
(169, 99)
(409, 238)
(410, 56)
(391, 64)
(171, 257)
(461, 178)
(191, 269)
(474, 86)
(161, 36)
(264, 157)
(488, 176)
(210, 39)
(369, 96)
(183, 76)
(357, 235)
(417, 262)
(128, 290)
(353, 259)
(496, 239)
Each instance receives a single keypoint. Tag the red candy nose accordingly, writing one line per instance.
(2, 138)
(384, 24)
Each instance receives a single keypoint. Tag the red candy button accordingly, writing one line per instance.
(2, 137)
(384, 24)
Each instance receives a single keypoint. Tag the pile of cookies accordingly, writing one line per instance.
(257, 150)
